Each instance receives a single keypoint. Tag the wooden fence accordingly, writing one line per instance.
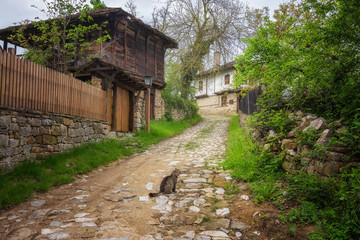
(26, 85)
(247, 104)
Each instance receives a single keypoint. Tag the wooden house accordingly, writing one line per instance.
(135, 50)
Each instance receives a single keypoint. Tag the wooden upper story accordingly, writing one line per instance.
(134, 46)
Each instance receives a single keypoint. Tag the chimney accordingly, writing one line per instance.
(216, 59)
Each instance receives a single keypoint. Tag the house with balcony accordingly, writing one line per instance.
(135, 50)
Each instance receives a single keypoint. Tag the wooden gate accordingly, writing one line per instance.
(121, 110)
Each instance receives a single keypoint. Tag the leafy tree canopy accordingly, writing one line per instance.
(308, 58)
(202, 26)
(62, 38)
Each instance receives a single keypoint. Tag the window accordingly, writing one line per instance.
(231, 102)
(200, 85)
(227, 79)
(223, 101)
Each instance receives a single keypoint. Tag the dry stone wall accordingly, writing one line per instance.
(25, 135)
(324, 157)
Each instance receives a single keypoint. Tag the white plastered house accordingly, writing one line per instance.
(215, 91)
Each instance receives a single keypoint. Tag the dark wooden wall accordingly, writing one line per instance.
(133, 49)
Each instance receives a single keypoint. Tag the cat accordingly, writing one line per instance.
(168, 184)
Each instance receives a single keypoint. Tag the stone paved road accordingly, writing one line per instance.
(113, 203)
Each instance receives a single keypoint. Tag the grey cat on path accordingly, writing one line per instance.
(168, 184)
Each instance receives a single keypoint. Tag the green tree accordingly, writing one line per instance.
(63, 38)
(308, 58)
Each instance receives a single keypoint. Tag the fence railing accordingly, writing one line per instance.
(26, 85)
(248, 103)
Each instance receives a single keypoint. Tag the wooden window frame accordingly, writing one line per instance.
(227, 79)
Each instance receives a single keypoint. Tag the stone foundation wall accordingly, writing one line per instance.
(323, 158)
(139, 116)
(25, 135)
(176, 115)
(139, 112)
(159, 105)
(212, 105)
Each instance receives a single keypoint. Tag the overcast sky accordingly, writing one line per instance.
(12, 11)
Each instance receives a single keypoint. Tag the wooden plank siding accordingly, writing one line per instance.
(121, 110)
(134, 51)
(26, 85)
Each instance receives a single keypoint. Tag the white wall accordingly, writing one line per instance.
(212, 84)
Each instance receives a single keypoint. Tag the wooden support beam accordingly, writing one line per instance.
(155, 60)
(136, 51)
(125, 52)
(146, 54)
(108, 79)
(147, 110)
(99, 69)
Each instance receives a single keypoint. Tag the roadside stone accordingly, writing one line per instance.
(190, 235)
(143, 198)
(19, 234)
(332, 168)
(220, 182)
(239, 226)
(220, 191)
(38, 203)
(83, 219)
(288, 144)
(55, 224)
(47, 231)
(88, 224)
(217, 224)
(238, 235)
(199, 202)
(244, 197)
(162, 200)
(223, 211)
(316, 124)
(184, 202)
(149, 186)
(194, 185)
(203, 238)
(215, 234)
(195, 180)
(334, 157)
(58, 211)
(39, 213)
(324, 137)
(58, 236)
(194, 209)
(80, 215)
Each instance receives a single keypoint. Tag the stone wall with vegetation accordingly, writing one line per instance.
(312, 146)
(25, 134)
(139, 116)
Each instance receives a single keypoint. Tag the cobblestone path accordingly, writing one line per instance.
(112, 203)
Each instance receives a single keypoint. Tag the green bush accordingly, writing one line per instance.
(270, 119)
(173, 101)
(264, 190)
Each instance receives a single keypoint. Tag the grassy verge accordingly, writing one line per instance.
(332, 204)
(40, 176)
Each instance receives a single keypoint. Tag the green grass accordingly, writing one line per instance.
(240, 154)
(40, 176)
(191, 145)
(332, 204)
